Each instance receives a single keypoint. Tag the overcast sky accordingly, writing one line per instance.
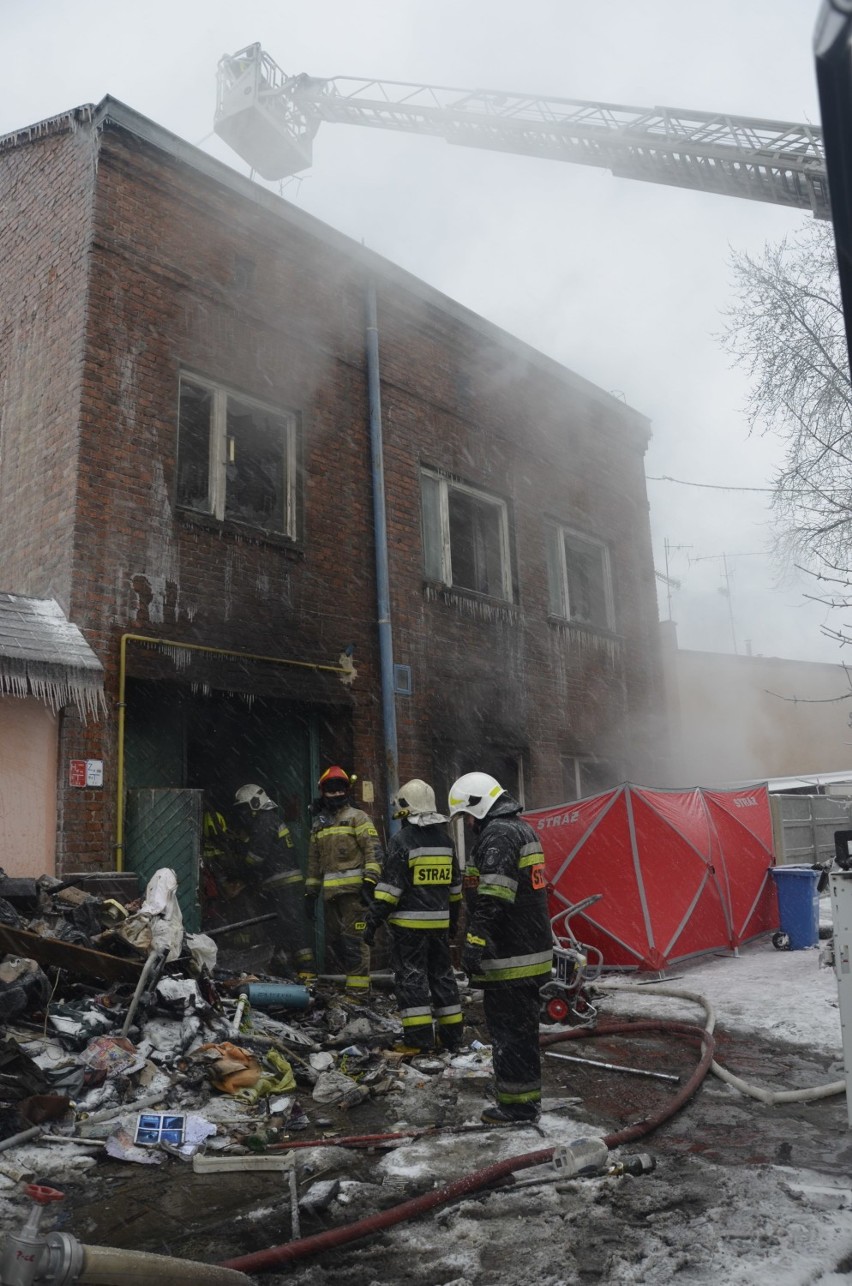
(624, 282)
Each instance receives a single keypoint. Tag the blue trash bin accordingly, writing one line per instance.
(798, 904)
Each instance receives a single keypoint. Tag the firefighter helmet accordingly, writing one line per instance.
(474, 793)
(255, 796)
(333, 778)
(414, 797)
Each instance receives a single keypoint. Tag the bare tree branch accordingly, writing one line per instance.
(785, 329)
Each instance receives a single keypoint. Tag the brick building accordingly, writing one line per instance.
(186, 470)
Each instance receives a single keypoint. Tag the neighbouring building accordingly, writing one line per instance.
(186, 470)
(748, 718)
(45, 665)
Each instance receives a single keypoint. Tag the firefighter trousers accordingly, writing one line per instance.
(292, 938)
(345, 919)
(512, 1016)
(425, 986)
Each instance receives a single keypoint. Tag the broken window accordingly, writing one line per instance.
(465, 537)
(584, 775)
(235, 458)
(579, 580)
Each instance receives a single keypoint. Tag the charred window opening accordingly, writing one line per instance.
(579, 579)
(465, 538)
(587, 775)
(196, 419)
(235, 458)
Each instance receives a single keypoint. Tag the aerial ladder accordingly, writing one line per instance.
(270, 119)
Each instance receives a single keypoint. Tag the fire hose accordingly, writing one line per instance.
(478, 1180)
(769, 1097)
(92, 1262)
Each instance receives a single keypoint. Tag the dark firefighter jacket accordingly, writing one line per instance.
(270, 853)
(507, 913)
(344, 849)
(420, 884)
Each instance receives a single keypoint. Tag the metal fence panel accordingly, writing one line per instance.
(164, 830)
(804, 827)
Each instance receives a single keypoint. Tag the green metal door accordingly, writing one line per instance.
(164, 829)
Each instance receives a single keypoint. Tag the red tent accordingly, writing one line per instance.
(682, 872)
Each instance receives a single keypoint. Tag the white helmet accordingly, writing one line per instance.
(474, 793)
(414, 797)
(255, 796)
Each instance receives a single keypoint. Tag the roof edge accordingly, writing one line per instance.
(111, 111)
(65, 123)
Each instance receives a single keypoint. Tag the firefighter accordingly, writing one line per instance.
(272, 858)
(508, 947)
(419, 894)
(344, 862)
(224, 874)
(215, 852)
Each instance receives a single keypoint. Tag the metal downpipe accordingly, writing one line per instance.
(380, 531)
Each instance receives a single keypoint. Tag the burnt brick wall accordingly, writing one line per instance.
(46, 181)
(553, 448)
(46, 177)
(186, 273)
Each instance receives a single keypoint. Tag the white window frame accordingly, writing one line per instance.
(219, 448)
(445, 485)
(557, 559)
(577, 763)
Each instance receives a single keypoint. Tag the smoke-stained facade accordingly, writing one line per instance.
(186, 470)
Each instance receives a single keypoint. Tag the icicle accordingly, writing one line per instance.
(590, 642)
(180, 657)
(479, 609)
(66, 123)
(56, 686)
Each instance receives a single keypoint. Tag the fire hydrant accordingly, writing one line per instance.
(28, 1257)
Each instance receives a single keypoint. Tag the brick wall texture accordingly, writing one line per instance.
(127, 263)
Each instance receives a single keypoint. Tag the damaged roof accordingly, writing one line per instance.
(44, 655)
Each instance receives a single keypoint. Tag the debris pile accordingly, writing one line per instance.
(124, 1038)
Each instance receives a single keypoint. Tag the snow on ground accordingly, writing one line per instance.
(692, 1221)
(775, 993)
(700, 1219)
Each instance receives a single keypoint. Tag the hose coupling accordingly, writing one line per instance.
(641, 1163)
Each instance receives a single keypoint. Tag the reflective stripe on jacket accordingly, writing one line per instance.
(420, 879)
(344, 848)
(508, 908)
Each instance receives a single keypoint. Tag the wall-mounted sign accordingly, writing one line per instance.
(94, 772)
(86, 772)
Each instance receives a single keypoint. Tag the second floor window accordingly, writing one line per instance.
(584, 775)
(465, 537)
(579, 579)
(236, 458)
